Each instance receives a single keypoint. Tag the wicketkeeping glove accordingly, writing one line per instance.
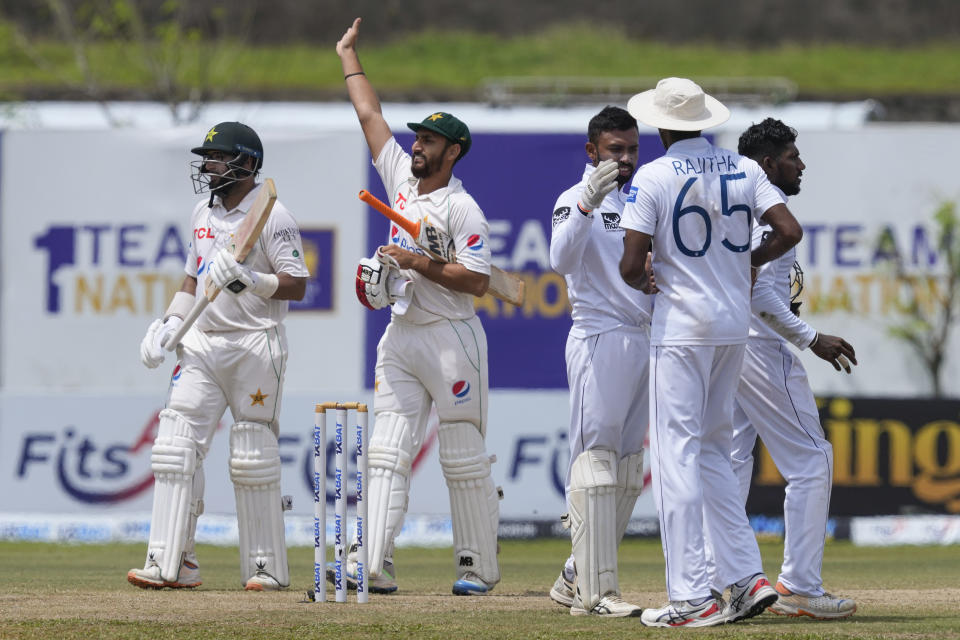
(602, 181)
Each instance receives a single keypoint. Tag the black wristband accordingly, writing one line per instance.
(355, 73)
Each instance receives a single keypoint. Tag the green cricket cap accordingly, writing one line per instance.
(447, 125)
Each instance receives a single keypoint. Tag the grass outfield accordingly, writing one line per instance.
(64, 592)
(460, 61)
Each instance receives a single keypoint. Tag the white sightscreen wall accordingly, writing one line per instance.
(75, 399)
(111, 211)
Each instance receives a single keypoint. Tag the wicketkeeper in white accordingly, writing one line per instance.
(234, 356)
(774, 399)
(607, 354)
(697, 204)
(434, 350)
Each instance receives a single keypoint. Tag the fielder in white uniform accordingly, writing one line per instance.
(697, 205)
(434, 350)
(607, 352)
(774, 399)
(234, 356)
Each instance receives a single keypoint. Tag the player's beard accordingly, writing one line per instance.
(222, 185)
(793, 188)
(428, 168)
(622, 180)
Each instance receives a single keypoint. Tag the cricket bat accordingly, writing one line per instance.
(439, 246)
(244, 238)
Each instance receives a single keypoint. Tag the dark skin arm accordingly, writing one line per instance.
(455, 277)
(832, 349)
(362, 95)
(785, 233)
(635, 264)
(290, 288)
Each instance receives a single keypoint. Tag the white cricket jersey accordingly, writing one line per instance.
(772, 318)
(698, 202)
(587, 251)
(455, 212)
(278, 250)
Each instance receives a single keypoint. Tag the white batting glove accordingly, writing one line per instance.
(159, 331)
(151, 355)
(602, 181)
(379, 282)
(169, 327)
(371, 283)
(228, 274)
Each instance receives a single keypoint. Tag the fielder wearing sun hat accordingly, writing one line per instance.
(447, 125)
(677, 104)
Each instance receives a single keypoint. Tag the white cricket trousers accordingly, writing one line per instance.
(694, 487)
(444, 363)
(775, 402)
(242, 370)
(609, 386)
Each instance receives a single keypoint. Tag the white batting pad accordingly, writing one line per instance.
(629, 487)
(593, 513)
(174, 461)
(474, 500)
(255, 472)
(388, 473)
(196, 509)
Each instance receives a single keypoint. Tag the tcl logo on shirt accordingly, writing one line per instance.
(203, 232)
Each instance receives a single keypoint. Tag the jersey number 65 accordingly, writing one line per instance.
(728, 210)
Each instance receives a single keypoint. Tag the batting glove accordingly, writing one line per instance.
(602, 181)
(228, 274)
(379, 282)
(159, 331)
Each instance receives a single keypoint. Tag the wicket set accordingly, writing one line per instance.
(340, 543)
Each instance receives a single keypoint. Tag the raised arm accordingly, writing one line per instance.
(362, 95)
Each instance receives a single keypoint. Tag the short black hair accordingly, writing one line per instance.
(769, 138)
(609, 119)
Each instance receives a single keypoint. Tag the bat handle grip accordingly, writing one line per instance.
(195, 312)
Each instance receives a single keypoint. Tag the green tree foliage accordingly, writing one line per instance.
(174, 48)
(928, 325)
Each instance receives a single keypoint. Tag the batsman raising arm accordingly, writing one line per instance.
(434, 350)
(234, 356)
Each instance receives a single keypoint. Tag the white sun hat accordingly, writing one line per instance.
(677, 104)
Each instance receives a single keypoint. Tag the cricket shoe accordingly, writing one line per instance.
(684, 613)
(149, 577)
(824, 607)
(470, 585)
(749, 597)
(562, 591)
(610, 606)
(262, 581)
